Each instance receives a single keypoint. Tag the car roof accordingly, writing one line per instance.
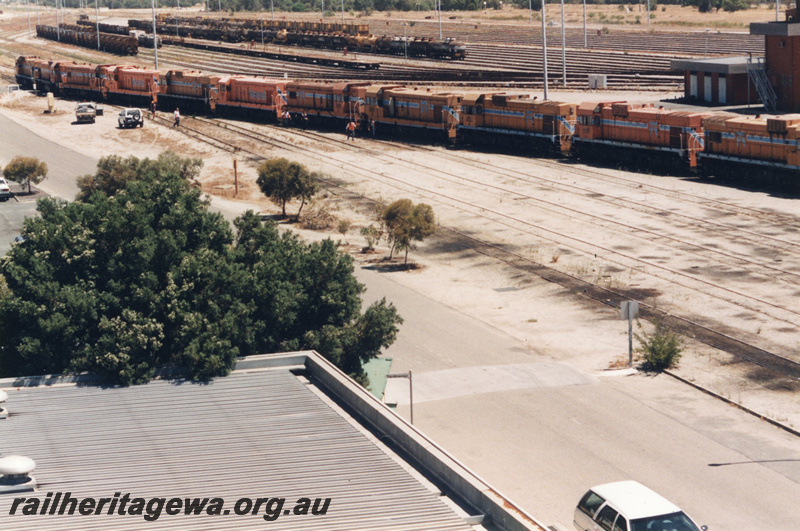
(634, 500)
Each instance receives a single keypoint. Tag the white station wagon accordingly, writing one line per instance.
(629, 506)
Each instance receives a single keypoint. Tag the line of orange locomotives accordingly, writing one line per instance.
(718, 143)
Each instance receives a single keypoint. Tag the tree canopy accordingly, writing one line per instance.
(405, 223)
(282, 180)
(145, 275)
(26, 170)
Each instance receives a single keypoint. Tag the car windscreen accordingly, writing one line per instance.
(667, 522)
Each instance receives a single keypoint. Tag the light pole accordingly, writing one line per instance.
(58, 26)
(544, 50)
(564, 44)
(405, 38)
(155, 37)
(176, 20)
(585, 43)
(440, 19)
(342, 14)
(97, 23)
(530, 11)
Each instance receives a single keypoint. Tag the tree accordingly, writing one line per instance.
(26, 170)
(114, 172)
(406, 223)
(282, 180)
(121, 283)
(372, 235)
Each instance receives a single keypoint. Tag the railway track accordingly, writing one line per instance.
(525, 71)
(616, 38)
(715, 334)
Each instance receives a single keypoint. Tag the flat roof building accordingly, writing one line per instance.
(286, 442)
(717, 81)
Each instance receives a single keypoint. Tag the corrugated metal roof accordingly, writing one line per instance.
(264, 434)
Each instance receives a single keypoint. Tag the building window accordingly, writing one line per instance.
(781, 44)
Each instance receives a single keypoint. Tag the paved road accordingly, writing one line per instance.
(541, 431)
(63, 164)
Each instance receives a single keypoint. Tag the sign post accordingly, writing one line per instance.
(629, 310)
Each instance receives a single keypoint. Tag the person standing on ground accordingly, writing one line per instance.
(177, 117)
(351, 130)
(372, 128)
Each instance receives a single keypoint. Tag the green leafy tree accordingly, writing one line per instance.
(26, 170)
(114, 173)
(306, 297)
(282, 180)
(123, 283)
(372, 235)
(406, 223)
(734, 5)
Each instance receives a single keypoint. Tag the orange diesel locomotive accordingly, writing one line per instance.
(639, 132)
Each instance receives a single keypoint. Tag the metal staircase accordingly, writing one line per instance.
(758, 76)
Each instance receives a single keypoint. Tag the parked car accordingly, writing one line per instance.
(86, 112)
(130, 118)
(629, 506)
(5, 190)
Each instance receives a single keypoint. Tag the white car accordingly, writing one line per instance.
(629, 506)
(130, 118)
(5, 190)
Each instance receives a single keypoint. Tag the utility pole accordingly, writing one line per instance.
(97, 23)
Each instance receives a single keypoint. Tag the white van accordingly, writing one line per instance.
(629, 506)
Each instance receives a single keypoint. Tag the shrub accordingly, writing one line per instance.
(661, 350)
